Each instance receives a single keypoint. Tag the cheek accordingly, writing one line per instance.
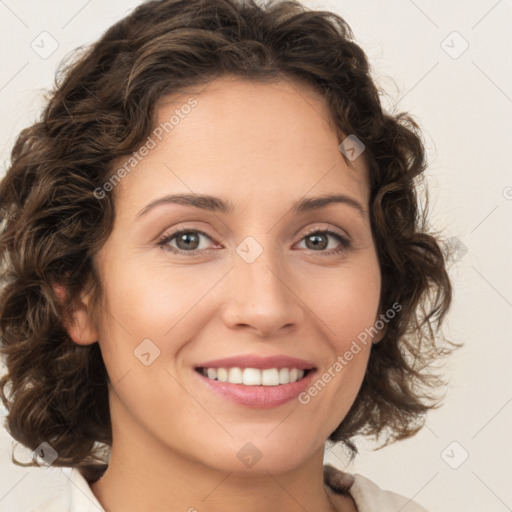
(345, 308)
(142, 329)
(149, 299)
(150, 302)
(345, 301)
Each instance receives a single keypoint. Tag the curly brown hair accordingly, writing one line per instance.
(102, 108)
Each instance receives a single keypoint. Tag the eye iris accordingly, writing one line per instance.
(185, 237)
(320, 245)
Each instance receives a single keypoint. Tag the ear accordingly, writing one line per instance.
(79, 324)
(382, 332)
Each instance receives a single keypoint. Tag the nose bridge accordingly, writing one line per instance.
(261, 293)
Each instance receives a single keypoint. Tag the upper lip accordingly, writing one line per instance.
(255, 361)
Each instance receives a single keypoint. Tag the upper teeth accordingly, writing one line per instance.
(254, 376)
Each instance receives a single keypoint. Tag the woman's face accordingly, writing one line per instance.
(246, 281)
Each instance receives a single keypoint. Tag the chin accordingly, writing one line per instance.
(259, 455)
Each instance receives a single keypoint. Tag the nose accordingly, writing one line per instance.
(262, 297)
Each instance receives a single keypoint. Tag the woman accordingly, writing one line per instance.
(214, 263)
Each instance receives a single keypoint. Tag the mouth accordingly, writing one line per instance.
(254, 382)
(269, 377)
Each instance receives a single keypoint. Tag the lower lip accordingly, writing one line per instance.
(261, 397)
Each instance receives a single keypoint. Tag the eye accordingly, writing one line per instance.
(188, 241)
(318, 239)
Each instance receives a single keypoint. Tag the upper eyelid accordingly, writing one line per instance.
(324, 229)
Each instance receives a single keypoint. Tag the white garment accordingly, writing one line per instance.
(368, 497)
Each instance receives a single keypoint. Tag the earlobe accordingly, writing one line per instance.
(381, 333)
(79, 323)
(378, 337)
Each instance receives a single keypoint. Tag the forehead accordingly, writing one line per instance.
(249, 141)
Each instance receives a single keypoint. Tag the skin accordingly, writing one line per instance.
(175, 443)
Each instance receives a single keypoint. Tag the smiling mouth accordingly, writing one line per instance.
(254, 376)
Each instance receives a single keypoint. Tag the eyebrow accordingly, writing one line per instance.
(216, 204)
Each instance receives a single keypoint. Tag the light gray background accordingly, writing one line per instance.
(464, 105)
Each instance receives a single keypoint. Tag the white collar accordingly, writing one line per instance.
(79, 493)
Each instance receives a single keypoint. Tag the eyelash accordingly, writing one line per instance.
(345, 243)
